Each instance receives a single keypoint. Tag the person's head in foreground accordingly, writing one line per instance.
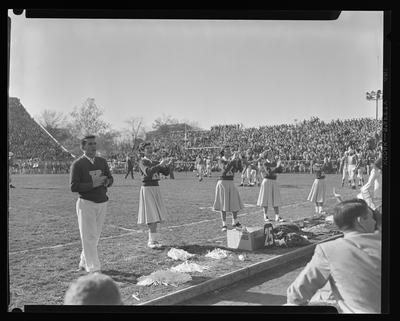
(354, 215)
(93, 289)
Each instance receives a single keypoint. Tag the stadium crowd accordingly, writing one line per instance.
(28, 141)
(297, 145)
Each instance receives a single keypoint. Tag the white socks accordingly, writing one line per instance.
(276, 217)
(234, 221)
(224, 223)
(316, 209)
(153, 237)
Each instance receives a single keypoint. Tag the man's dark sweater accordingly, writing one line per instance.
(81, 174)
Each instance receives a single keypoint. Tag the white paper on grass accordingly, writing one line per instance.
(179, 254)
(217, 254)
(145, 281)
(165, 277)
(280, 242)
(329, 218)
(189, 267)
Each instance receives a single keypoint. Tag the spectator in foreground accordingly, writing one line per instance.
(349, 267)
(93, 289)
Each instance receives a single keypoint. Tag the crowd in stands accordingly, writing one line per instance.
(37, 166)
(27, 140)
(297, 145)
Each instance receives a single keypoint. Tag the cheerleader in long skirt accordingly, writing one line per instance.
(269, 191)
(152, 210)
(318, 190)
(227, 198)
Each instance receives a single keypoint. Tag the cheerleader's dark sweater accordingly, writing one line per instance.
(229, 168)
(149, 170)
(271, 169)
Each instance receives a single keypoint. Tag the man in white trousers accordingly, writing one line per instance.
(89, 177)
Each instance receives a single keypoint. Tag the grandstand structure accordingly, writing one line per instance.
(298, 145)
(27, 139)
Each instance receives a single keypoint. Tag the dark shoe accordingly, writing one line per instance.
(80, 269)
(241, 184)
(237, 226)
(224, 228)
(12, 186)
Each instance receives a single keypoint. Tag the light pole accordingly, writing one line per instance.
(375, 96)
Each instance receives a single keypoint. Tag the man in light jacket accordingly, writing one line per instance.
(348, 267)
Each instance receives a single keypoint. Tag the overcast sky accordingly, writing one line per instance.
(209, 71)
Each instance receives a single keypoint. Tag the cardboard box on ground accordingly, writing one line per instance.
(251, 238)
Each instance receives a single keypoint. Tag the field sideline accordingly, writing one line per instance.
(44, 243)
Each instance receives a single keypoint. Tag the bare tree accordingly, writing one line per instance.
(87, 119)
(55, 123)
(135, 130)
(164, 120)
(51, 119)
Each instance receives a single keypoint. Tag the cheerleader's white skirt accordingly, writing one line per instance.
(151, 206)
(227, 197)
(269, 193)
(318, 191)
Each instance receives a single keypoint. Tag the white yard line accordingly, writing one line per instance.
(66, 244)
(132, 231)
(126, 229)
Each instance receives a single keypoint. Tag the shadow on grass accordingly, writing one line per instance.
(121, 276)
(200, 249)
(289, 186)
(204, 249)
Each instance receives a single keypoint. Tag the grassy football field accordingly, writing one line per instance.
(44, 243)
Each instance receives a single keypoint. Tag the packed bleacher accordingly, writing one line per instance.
(27, 139)
(297, 145)
(34, 151)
